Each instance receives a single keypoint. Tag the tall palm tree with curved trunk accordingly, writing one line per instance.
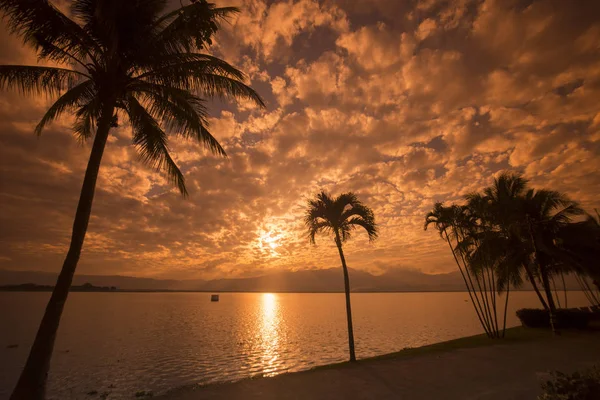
(134, 59)
(340, 216)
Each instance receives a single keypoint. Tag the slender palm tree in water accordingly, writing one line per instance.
(134, 59)
(340, 216)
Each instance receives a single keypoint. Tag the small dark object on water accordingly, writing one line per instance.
(214, 297)
(92, 393)
(12, 346)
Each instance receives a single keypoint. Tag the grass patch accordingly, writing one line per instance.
(514, 335)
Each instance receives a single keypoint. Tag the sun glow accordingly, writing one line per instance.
(269, 241)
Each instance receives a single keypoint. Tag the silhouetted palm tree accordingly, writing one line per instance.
(340, 216)
(132, 58)
(505, 200)
(544, 213)
(577, 246)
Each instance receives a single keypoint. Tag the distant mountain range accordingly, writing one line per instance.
(315, 280)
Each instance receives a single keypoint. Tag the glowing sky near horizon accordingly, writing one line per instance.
(403, 102)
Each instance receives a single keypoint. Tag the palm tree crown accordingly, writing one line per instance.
(134, 56)
(340, 216)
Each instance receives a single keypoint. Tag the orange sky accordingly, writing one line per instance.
(404, 102)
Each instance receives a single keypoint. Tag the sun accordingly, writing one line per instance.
(269, 241)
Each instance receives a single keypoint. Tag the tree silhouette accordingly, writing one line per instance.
(544, 213)
(340, 216)
(134, 59)
(510, 230)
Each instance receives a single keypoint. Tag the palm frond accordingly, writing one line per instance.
(368, 224)
(219, 13)
(179, 111)
(189, 27)
(78, 95)
(439, 216)
(85, 119)
(151, 142)
(183, 63)
(317, 226)
(33, 20)
(37, 80)
(207, 77)
(356, 208)
(49, 51)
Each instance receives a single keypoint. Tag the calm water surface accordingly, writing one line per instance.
(121, 343)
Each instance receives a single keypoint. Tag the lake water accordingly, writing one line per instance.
(122, 343)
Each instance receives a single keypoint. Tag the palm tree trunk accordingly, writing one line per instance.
(485, 314)
(470, 290)
(555, 292)
(485, 309)
(549, 296)
(491, 301)
(585, 289)
(530, 274)
(32, 382)
(535, 288)
(562, 275)
(492, 284)
(493, 294)
(338, 242)
(485, 300)
(505, 309)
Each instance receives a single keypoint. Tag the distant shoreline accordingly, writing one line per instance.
(104, 289)
(33, 287)
(301, 281)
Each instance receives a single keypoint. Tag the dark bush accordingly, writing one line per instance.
(565, 318)
(583, 385)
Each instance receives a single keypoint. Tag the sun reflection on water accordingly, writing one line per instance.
(269, 330)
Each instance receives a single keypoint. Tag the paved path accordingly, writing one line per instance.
(503, 372)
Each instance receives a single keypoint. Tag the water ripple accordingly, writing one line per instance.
(121, 343)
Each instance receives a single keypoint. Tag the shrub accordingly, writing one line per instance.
(565, 318)
(583, 385)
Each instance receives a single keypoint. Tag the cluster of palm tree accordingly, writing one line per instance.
(138, 60)
(510, 233)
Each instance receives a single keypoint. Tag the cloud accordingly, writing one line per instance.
(405, 103)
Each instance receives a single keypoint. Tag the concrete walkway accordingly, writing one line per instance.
(503, 372)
